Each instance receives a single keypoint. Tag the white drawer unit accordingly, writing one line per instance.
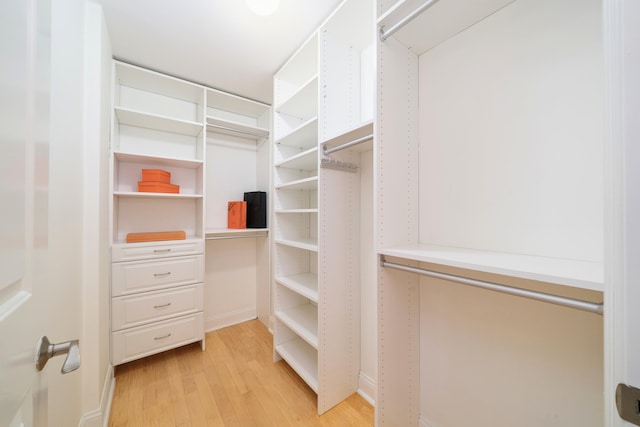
(135, 343)
(150, 250)
(140, 309)
(139, 276)
(157, 297)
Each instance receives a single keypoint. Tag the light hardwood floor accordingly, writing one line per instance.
(233, 383)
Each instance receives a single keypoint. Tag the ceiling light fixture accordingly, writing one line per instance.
(263, 7)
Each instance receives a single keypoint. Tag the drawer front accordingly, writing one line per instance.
(140, 276)
(140, 309)
(151, 250)
(131, 344)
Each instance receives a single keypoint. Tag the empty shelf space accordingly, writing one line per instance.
(122, 156)
(310, 183)
(306, 244)
(303, 136)
(153, 121)
(303, 320)
(297, 211)
(303, 359)
(359, 133)
(306, 160)
(230, 233)
(568, 272)
(303, 102)
(305, 284)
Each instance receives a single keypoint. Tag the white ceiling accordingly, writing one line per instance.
(218, 43)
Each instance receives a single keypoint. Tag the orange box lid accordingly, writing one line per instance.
(156, 175)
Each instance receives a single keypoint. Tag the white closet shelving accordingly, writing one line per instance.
(489, 166)
(157, 289)
(319, 94)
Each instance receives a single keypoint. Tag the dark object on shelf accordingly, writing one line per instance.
(256, 209)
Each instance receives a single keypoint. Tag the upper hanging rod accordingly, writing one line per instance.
(385, 34)
(591, 307)
(258, 135)
(327, 151)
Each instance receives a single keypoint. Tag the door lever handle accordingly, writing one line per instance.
(46, 351)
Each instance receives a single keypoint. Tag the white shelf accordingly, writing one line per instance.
(156, 122)
(160, 161)
(306, 244)
(303, 320)
(310, 183)
(304, 102)
(306, 160)
(230, 233)
(303, 359)
(142, 194)
(304, 136)
(440, 22)
(241, 130)
(575, 273)
(152, 81)
(297, 211)
(305, 284)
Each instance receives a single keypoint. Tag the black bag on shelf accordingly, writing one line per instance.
(256, 209)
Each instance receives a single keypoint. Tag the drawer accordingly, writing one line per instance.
(131, 344)
(150, 250)
(140, 276)
(139, 309)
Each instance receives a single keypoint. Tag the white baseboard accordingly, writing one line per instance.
(367, 388)
(227, 319)
(100, 417)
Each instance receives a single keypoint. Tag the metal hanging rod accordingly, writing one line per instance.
(236, 237)
(327, 151)
(386, 33)
(591, 307)
(243, 132)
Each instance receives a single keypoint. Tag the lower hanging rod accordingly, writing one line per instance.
(588, 306)
(236, 236)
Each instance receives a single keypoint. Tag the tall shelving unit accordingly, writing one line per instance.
(158, 122)
(161, 295)
(480, 123)
(317, 242)
(295, 159)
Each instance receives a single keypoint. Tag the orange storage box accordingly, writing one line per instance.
(157, 187)
(155, 236)
(156, 175)
(237, 215)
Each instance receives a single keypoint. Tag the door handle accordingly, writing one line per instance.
(46, 351)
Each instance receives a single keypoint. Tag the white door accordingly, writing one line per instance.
(26, 311)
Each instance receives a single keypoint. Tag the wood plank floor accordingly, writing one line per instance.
(233, 383)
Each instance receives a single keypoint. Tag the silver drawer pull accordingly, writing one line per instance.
(160, 251)
(162, 274)
(163, 305)
(162, 337)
